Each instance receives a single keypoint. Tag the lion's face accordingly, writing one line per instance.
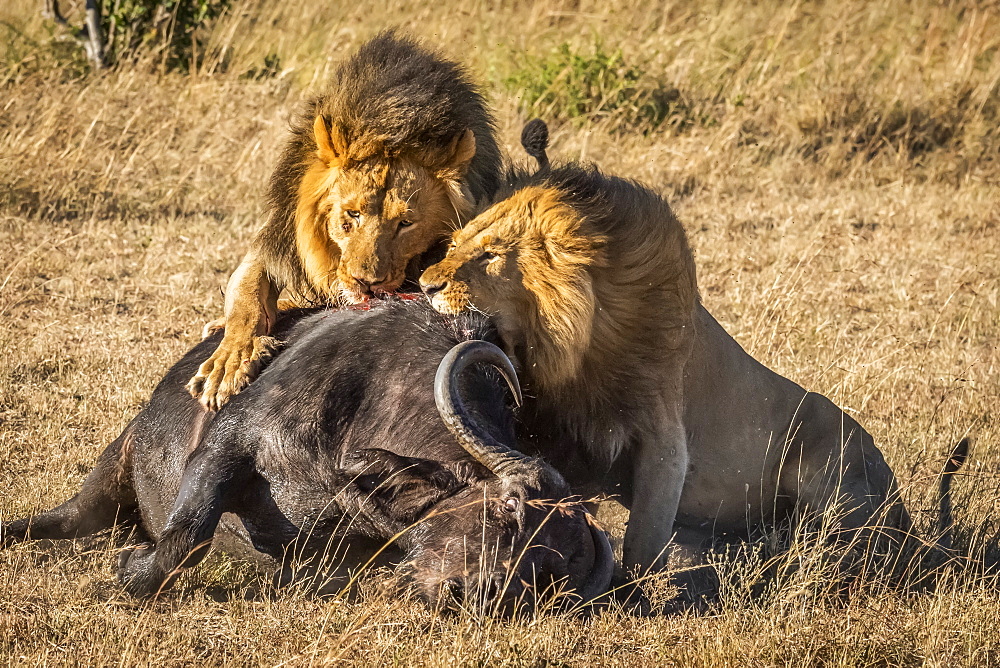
(526, 262)
(380, 211)
(484, 267)
(381, 215)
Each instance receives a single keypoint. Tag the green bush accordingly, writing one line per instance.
(597, 87)
(165, 28)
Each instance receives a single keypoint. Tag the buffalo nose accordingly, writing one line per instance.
(431, 289)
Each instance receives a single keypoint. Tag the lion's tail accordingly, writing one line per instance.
(945, 521)
(535, 140)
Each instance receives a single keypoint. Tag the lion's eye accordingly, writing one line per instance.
(487, 256)
(353, 214)
(405, 223)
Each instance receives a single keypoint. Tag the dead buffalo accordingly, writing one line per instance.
(337, 448)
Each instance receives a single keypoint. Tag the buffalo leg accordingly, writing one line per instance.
(214, 480)
(105, 500)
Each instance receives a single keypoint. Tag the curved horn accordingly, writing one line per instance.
(489, 452)
(535, 139)
(604, 566)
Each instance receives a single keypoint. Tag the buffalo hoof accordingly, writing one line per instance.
(138, 573)
(12, 533)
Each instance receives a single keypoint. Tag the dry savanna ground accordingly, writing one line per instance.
(837, 166)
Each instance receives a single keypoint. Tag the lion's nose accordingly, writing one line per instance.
(367, 282)
(431, 289)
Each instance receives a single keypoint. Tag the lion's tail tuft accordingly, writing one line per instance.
(945, 520)
(535, 140)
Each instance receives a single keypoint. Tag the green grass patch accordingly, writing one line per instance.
(596, 87)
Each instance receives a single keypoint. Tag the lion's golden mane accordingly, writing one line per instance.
(600, 301)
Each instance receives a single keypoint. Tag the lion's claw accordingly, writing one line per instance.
(231, 368)
(216, 325)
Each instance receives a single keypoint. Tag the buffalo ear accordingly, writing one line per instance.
(331, 142)
(402, 487)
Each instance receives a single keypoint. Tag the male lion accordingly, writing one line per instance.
(377, 171)
(592, 286)
(640, 392)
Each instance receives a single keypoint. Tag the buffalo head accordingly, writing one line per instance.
(513, 533)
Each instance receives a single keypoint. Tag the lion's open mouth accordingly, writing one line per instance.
(354, 294)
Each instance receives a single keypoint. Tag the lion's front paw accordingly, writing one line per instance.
(233, 365)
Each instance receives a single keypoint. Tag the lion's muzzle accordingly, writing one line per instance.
(430, 288)
(442, 298)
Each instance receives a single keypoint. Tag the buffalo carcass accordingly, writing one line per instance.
(336, 449)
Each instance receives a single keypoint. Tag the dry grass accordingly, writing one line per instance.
(841, 187)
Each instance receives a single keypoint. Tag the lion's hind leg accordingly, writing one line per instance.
(846, 496)
(691, 571)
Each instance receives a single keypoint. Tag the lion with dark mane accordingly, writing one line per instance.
(639, 392)
(375, 175)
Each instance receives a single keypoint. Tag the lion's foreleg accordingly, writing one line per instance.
(220, 323)
(660, 464)
(251, 309)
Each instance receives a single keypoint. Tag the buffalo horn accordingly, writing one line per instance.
(489, 452)
(599, 578)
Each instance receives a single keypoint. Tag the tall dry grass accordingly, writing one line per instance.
(837, 166)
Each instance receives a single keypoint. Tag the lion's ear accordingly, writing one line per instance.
(331, 144)
(463, 150)
(452, 162)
